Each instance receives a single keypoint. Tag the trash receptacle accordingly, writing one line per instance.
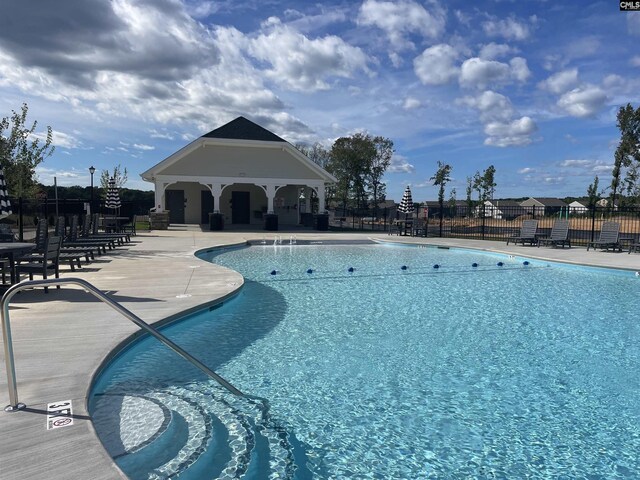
(216, 221)
(307, 219)
(271, 222)
(322, 222)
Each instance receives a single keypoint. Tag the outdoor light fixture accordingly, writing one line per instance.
(92, 170)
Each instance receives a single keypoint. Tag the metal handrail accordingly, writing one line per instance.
(8, 345)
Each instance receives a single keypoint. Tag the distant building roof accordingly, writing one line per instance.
(544, 201)
(243, 129)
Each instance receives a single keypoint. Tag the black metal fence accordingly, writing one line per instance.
(26, 212)
(489, 223)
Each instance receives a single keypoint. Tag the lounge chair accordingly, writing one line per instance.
(527, 233)
(49, 264)
(559, 235)
(609, 237)
(37, 255)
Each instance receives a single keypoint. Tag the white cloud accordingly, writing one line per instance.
(411, 103)
(436, 65)
(399, 164)
(515, 133)
(398, 19)
(582, 102)
(141, 146)
(560, 82)
(509, 28)
(576, 163)
(519, 69)
(479, 73)
(635, 61)
(59, 139)
(527, 170)
(492, 50)
(304, 64)
(497, 115)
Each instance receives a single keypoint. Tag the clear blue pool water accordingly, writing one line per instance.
(492, 371)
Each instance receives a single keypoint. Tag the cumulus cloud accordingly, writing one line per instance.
(301, 63)
(411, 103)
(436, 65)
(515, 133)
(583, 102)
(497, 115)
(479, 73)
(560, 82)
(492, 50)
(527, 170)
(509, 28)
(399, 164)
(399, 19)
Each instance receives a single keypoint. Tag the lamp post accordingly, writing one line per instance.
(92, 170)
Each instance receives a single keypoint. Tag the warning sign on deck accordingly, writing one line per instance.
(59, 414)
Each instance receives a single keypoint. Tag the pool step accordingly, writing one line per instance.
(194, 433)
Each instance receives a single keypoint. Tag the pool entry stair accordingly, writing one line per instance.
(195, 433)
(15, 405)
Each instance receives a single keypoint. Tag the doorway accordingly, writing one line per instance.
(240, 207)
(174, 202)
(206, 206)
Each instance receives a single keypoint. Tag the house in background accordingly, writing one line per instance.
(241, 171)
(577, 208)
(542, 206)
(502, 209)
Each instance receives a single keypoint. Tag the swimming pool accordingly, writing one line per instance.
(489, 371)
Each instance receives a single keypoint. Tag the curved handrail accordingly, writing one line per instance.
(8, 346)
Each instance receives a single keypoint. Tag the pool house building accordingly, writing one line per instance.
(241, 174)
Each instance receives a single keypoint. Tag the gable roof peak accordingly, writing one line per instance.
(242, 128)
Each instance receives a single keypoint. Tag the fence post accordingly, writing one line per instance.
(441, 217)
(20, 221)
(483, 218)
(593, 222)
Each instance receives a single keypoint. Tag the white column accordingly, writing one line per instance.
(271, 193)
(216, 191)
(321, 199)
(159, 195)
(307, 199)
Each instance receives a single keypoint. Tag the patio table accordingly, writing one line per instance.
(10, 250)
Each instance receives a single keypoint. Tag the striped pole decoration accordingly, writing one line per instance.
(5, 204)
(113, 197)
(406, 205)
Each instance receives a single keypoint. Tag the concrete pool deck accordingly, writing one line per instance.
(61, 339)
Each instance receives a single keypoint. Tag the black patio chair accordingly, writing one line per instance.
(559, 235)
(609, 237)
(48, 265)
(527, 233)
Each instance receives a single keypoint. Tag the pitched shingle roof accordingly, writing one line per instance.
(551, 202)
(243, 129)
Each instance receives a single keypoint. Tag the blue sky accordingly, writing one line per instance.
(531, 87)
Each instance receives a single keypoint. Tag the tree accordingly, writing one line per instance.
(452, 203)
(592, 193)
(350, 160)
(485, 184)
(120, 176)
(379, 164)
(21, 151)
(469, 190)
(627, 155)
(316, 153)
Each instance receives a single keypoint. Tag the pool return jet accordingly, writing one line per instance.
(15, 405)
